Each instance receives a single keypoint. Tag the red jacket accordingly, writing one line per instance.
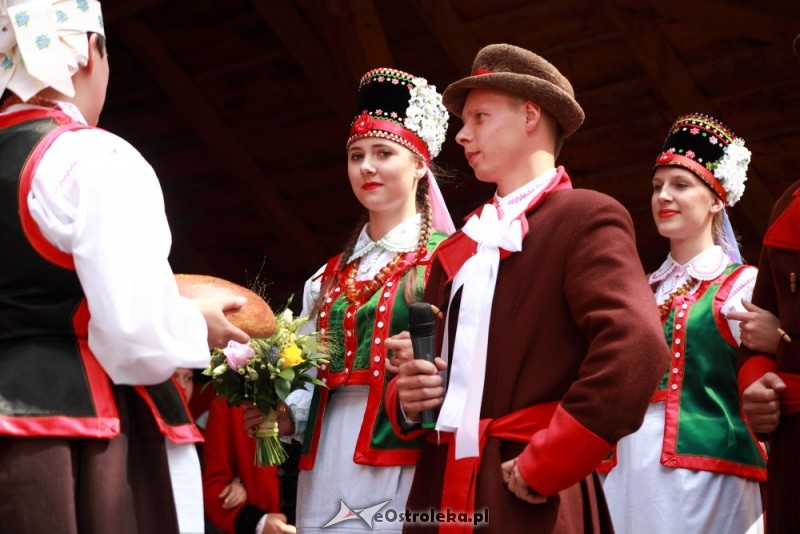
(229, 453)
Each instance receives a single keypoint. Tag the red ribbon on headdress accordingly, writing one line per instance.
(481, 72)
(362, 125)
(673, 158)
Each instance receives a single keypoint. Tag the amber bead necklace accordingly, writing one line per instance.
(359, 296)
(666, 306)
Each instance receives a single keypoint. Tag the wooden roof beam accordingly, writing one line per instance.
(212, 129)
(733, 18)
(671, 77)
(309, 52)
(458, 42)
(369, 33)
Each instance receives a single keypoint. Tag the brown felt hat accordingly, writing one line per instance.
(519, 72)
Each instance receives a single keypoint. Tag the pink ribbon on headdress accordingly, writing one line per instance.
(441, 215)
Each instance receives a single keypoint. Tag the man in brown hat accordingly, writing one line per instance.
(552, 342)
(771, 382)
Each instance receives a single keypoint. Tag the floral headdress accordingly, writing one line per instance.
(403, 108)
(43, 42)
(709, 149)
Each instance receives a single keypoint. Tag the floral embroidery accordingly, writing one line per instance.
(690, 154)
(22, 18)
(100, 21)
(7, 63)
(61, 16)
(713, 140)
(42, 41)
(694, 131)
(83, 5)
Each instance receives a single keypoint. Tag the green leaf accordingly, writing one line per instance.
(287, 374)
(282, 388)
(318, 382)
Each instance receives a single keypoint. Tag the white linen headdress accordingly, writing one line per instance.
(43, 43)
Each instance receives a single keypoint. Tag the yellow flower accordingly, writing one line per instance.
(292, 355)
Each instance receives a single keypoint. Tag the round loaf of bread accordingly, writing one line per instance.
(255, 317)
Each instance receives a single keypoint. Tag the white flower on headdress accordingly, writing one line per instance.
(426, 116)
(731, 170)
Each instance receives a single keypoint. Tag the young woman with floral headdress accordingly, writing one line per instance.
(694, 466)
(352, 457)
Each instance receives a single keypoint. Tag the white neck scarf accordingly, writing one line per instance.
(460, 412)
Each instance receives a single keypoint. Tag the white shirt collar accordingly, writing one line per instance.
(514, 203)
(401, 238)
(707, 265)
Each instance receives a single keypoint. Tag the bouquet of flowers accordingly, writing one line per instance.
(266, 370)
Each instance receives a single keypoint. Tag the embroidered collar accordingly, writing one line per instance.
(513, 204)
(707, 265)
(401, 238)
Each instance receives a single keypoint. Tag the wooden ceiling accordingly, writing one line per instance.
(243, 107)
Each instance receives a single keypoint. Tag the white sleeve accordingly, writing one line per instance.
(95, 197)
(741, 290)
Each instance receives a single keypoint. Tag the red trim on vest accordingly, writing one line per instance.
(307, 460)
(669, 455)
(186, 433)
(675, 159)
(32, 231)
(719, 301)
(562, 455)
(753, 369)
(364, 453)
(393, 413)
(105, 424)
(60, 426)
(10, 119)
(99, 383)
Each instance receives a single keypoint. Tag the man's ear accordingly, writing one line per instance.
(533, 114)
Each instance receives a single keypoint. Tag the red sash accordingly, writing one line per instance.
(458, 493)
(790, 399)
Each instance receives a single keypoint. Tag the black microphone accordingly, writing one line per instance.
(421, 326)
